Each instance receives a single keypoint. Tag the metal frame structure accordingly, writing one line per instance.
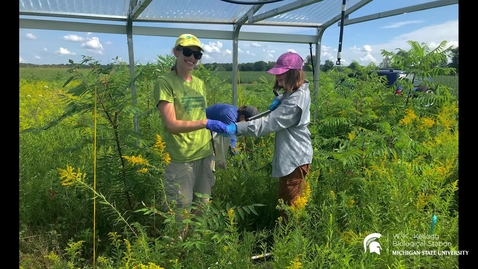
(121, 16)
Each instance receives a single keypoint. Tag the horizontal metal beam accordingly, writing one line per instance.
(111, 18)
(163, 31)
(69, 16)
(400, 11)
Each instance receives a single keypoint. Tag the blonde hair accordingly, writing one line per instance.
(173, 68)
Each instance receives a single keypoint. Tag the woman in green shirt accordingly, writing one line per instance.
(181, 100)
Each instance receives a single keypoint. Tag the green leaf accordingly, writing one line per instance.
(68, 80)
(241, 212)
(78, 90)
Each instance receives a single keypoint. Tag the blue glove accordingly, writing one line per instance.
(216, 126)
(274, 104)
(231, 129)
(224, 112)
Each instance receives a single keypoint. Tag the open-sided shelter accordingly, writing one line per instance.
(120, 16)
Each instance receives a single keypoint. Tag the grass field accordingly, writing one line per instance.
(380, 165)
(245, 77)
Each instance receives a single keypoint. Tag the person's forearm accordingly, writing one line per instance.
(183, 126)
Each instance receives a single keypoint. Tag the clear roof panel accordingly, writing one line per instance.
(77, 8)
(193, 11)
(300, 13)
(312, 15)
(309, 13)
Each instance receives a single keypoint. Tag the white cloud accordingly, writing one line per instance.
(63, 51)
(434, 33)
(93, 45)
(109, 43)
(255, 44)
(400, 24)
(31, 36)
(250, 53)
(213, 47)
(431, 35)
(37, 57)
(74, 38)
(21, 60)
(269, 55)
(326, 53)
(363, 54)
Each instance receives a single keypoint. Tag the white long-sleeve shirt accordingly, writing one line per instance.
(290, 120)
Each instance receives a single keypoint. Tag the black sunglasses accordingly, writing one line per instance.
(188, 52)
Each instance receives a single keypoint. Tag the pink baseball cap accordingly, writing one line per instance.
(285, 62)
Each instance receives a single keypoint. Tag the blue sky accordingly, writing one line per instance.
(361, 42)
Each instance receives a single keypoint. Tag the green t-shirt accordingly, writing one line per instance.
(189, 99)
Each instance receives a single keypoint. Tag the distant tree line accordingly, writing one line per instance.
(49, 65)
(309, 65)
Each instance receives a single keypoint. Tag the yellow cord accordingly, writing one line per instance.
(94, 186)
(239, 88)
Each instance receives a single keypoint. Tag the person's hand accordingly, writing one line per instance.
(274, 104)
(231, 129)
(216, 126)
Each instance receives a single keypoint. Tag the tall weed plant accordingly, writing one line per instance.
(381, 165)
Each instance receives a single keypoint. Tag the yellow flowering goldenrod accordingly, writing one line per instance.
(352, 135)
(134, 160)
(409, 116)
(143, 170)
(350, 203)
(69, 177)
(52, 257)
(447, 116)
(349, 236)
(149, 266)
(405, 121)
(445, 169)
(166, 158)
(422, 200)
(160, 145)
(427, 122)
(302, 200)
(299, 203)
(114, 236)
(295, 264)
(332, 195)
(185, 213)
(231, 215)
(102, 260)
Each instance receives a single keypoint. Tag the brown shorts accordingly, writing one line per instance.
(291, 186)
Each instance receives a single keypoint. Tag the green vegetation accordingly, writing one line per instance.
(91, 187)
